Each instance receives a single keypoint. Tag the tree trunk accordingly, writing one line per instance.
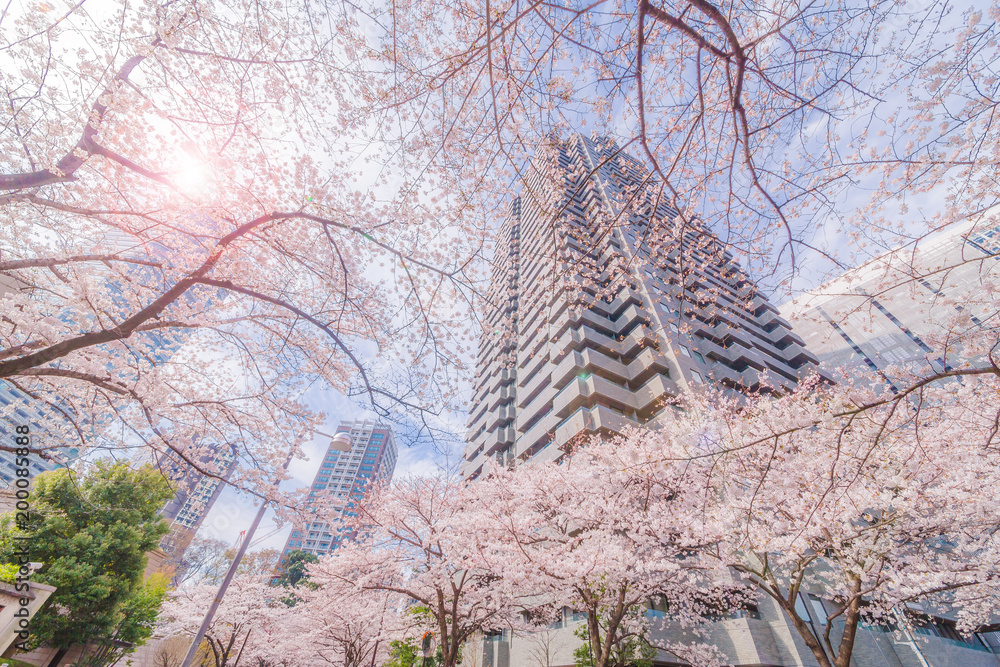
(807, 635)
(851, 619)
(594, 635)
(57, 658)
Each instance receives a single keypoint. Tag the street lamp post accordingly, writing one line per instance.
(341, 442)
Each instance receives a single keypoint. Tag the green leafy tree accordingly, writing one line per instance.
(630, 651)
(402, 654)
(295, 568)
(92, 534)
(295, 574)
(135, 620)
(406, 654)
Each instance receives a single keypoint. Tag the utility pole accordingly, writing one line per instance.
(341, 442)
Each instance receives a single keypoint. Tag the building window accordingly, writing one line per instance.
(685, 351)
(696, 377)
(990, 638)
(938, 627)
(819, 611)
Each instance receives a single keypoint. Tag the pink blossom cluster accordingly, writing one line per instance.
(877, 502)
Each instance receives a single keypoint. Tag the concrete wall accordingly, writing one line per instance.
(10, 604)
(767, 641)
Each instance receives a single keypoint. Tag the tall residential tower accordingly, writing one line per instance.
(344, 477)
(597, 318)
(195, 496)
(604, 304)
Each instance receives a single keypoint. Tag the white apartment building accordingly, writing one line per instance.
(596, 318)
(344, 477)
(908, 310)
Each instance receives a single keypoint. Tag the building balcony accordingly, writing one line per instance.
(501, 416)
(656, 389)
(499, 438)
(592, 420)
(537, 433)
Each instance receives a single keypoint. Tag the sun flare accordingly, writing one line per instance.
(193, 176)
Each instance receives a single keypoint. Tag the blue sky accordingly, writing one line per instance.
(234, 511)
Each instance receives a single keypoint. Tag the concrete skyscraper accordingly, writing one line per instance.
(597, 318)
(196, 495)
(344, 477)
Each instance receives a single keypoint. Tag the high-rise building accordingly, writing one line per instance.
(909, 310)
(195, 496)
(597, 318)
(64, 433)
(17, 408)
(342, 479)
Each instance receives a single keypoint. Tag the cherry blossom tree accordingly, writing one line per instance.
(338, 624)
(247, 629)
(604, 533)
(869, 501)
(418, 541)
(766, 121)
(188, 240)
(204, 561)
